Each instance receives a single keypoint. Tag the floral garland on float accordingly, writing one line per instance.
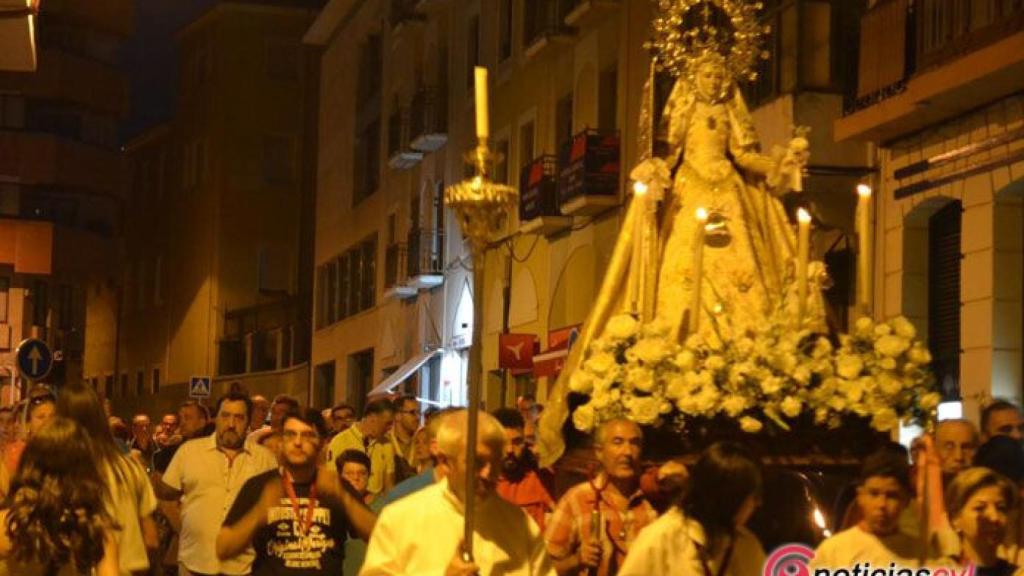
(768, 379)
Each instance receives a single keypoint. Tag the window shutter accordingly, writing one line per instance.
(944, 297)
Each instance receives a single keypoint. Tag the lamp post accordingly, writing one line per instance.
(480, 205)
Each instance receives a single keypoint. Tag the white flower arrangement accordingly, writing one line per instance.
(770, 376)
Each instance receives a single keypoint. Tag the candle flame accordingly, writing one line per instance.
(639, 188)
(702, 215)
(803, 216)
(863, 190)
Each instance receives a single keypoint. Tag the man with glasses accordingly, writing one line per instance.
(403, 432)
(206, 474)
(296, 517)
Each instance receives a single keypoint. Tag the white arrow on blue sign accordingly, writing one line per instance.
(199, 387)
(34, 359)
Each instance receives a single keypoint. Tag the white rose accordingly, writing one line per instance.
(849, 366)
(734, 405)
(641, 378)
(887, 363)
(930, 401)
(864, 326)
(650, 350)
(891, 345)
(852, 390)
(882, 330)
(884, 419)
(919, 355)
(903, 327)
(802, 374)
(644, 409)
(791, 407)
(622, 327)
(600, 364)
(837, 403)
(658, 328)
(750, 425)
(685, 360)
(771, 385)
(822, 348)
(583, 418)
(581, 382)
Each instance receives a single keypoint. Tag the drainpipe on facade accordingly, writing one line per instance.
(507, 383)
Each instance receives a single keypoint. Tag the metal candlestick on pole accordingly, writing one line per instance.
(480, 205)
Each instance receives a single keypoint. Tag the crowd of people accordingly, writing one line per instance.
(270, 488)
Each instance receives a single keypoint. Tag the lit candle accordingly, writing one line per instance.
(637, 268)
(864, 248)
(698, 269)
(483, 125)
(803, 254)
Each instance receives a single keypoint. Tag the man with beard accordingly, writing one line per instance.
(297, 517)
(612, 503)
(206, 475)
(519, 482)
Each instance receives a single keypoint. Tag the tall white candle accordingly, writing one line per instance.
(638, 271)
(803, 255)
(483, 124)
(698, 269)
(864, 272)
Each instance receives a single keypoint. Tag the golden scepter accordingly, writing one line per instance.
(480, 205)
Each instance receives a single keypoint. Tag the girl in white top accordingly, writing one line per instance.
(705, 533)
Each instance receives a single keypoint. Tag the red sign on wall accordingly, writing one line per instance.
(515, 351)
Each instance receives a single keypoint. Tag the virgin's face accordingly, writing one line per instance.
(709, 82)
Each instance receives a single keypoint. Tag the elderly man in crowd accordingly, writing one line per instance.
(955, 442)
(623, 510)
(422, 533)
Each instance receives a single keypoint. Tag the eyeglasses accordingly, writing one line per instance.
(42, 399)
(306, 436)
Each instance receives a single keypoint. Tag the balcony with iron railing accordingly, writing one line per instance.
(538, 197)
(425, 262)
(401, 156)
(589, 173)
(395, 270)
(924, 61)
(428, 120)
(544, 22)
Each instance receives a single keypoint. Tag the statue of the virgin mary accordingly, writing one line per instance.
(748, 257)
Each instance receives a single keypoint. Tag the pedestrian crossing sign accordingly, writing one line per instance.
(199, 387)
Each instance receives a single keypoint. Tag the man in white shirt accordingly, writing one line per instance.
(883, 493)
(207, 474)
(422, 533)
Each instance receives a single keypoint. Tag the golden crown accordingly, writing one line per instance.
(687, 32)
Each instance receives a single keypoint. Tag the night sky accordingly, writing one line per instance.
(151, 62)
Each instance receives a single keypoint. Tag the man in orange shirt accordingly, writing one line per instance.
(520, 483)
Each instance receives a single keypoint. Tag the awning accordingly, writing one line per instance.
(404, 371)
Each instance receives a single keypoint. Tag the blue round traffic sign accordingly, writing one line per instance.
(34, 359)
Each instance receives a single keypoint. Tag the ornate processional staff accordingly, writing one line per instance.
(480, 205)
